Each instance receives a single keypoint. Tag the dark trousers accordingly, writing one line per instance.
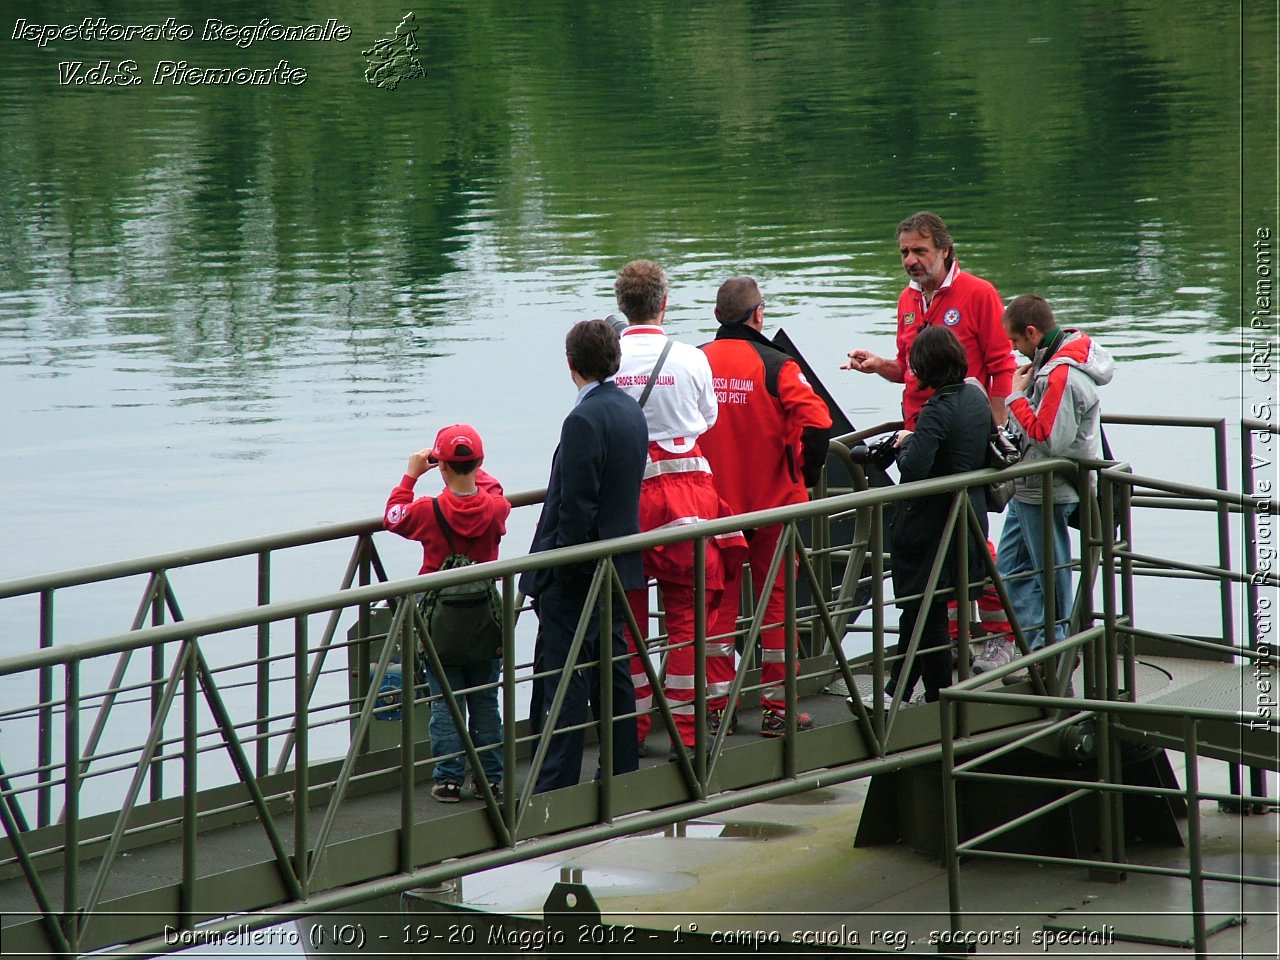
(558, 610)
(933, 656)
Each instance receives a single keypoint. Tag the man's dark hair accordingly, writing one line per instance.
(593, 349)
(929, 224)
(736, 298)
(937, 358)
(640, 289)
(1028, 310)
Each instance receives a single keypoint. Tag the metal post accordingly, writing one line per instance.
(1191, 749)
(301, 756)
(791, 639)
(1109, 827)
(158, 674)
(44, 732)
(1049, 569)
(509, 795)
(1095, 663)
(950, 813)
(877, 628)
(262, 682)
(71, 804)
(963, 603)
(702, 747)
(1110, 764)
(604, 661)
(1107, 563)
(408, 736)
(364, 629)
(1127, 594)
(190, 785)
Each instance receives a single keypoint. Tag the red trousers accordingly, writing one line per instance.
(720, 667)
(992, 619)
(678, 682)
(678, 489)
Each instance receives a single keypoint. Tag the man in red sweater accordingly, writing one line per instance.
(939, 292)
(768, 445)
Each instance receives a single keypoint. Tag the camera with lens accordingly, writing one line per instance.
(881, 454)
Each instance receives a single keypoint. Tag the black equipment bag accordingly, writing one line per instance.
(1002, 451)
(464, 620)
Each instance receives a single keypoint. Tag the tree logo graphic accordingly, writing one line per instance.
(396, 58)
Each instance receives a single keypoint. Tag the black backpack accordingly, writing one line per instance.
(464, 620)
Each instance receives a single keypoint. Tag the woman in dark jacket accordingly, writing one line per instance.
(950, 437)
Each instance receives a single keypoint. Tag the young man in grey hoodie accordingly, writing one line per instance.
(1055, 411)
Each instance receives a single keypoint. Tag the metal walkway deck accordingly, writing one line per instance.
(238, 870)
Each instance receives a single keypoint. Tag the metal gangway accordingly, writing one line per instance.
(232, 771)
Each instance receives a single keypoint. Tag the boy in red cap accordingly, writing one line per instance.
(475, 510)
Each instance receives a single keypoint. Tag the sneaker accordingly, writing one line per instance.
(716, 718)
(870, 700)
(479, 791)
(996, 653)
(447, 791)
(642, 748)
(774, 724)
(1019, 676)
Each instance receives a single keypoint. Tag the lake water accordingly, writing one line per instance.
(229, 310)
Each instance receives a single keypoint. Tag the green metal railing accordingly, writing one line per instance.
(202, 702)
(1107, 650)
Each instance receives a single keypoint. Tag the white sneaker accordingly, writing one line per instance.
(996, 653)
(870, 700)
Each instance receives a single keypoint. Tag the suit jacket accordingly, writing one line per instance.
(594, 490)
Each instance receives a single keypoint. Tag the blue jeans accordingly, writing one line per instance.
(1021, 551)
(480, 708)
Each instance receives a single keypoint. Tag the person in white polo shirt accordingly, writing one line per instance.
(672, 382)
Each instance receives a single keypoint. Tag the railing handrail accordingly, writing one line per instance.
(230, 550)
(1228, 497)
(339, 530)
(511, 566)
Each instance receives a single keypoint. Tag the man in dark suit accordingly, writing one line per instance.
(593, 494)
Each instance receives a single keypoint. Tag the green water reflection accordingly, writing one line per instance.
(1088, 151)
(210, 289)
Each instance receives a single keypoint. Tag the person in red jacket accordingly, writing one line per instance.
(474, 507)
(768, 445)
(941, 293)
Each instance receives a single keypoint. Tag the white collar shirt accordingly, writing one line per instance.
(682, 404)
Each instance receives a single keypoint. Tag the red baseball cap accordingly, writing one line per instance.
(457, 444)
